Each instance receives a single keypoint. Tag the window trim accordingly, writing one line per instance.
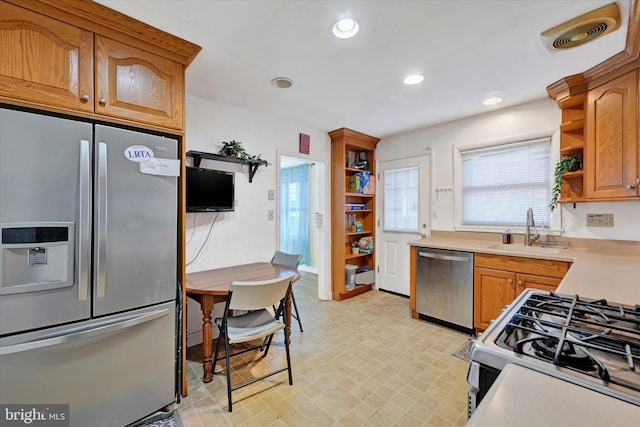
(556, 218)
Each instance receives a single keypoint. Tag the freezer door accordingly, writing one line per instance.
(111, 371)
(135, 217)
(45, 220)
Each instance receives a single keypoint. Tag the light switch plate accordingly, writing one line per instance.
(271, 194)
(599, 220)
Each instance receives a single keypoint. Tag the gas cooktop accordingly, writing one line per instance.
(593, 343)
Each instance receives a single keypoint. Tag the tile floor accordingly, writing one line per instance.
(360, 362)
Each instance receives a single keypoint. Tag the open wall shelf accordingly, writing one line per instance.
(253, 164)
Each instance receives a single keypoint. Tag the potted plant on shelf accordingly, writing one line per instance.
(564, 165)
(234, 148)
(355, 248)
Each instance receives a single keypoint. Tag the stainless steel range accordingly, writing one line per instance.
(591, 343)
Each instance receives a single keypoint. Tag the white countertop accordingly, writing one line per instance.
(526, 398)
(608, 274)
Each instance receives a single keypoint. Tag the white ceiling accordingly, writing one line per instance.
(465, 48)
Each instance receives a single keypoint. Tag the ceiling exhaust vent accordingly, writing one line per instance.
(583, 29)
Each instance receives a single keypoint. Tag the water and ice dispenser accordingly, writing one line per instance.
(36, 256)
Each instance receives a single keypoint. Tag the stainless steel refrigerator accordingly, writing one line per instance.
(88, 267)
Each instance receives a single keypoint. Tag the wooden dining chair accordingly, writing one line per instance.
(291, 261)
(258, 323)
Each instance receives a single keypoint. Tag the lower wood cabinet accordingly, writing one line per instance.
(499, 279)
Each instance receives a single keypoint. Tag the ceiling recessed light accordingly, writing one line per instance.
(345, 28)
(492, 101)
(413, 79)
(282, 82)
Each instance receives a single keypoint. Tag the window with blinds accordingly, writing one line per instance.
(500, 183)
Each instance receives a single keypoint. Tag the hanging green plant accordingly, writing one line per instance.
(564, 165)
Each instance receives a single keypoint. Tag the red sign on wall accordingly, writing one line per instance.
(305, 142)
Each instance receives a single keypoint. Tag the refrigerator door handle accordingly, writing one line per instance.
(83, 251)
(100, 260)
(89, 333)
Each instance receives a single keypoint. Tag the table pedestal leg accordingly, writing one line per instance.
(206, 304)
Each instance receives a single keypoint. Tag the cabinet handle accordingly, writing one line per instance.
(629, 186)
(102, 101)
(638, 181)
(510, 281)
(519, 282)
(84, 97)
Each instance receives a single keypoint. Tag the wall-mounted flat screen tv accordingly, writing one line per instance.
(209, 190)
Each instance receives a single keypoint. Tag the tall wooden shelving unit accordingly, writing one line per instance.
(342, 236)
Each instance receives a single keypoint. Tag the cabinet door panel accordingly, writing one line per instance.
(494, 290)
(44, 60)
(138, 85)
(612, 139)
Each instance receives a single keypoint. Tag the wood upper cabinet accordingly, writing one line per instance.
(138, 85)
(80, 58)
(499, 279)
(45, 60)
(612, 148)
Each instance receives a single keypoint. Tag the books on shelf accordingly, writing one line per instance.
(355, 206)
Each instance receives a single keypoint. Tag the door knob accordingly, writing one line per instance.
(84, 97)
(102, 101)
(423, 235)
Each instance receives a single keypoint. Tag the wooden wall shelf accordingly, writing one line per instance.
(253, 164)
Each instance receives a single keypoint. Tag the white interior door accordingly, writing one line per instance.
(406, 188)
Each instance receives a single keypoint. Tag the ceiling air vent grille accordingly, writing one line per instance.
(583, 29)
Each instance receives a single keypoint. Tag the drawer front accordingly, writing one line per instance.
(540, 267)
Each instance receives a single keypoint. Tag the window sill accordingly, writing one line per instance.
(503, 229)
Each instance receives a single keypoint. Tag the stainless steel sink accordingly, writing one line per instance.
(525, 249)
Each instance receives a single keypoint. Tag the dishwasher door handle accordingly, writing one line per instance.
(444, 257)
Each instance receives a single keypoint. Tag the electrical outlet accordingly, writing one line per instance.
(271, 194)
(599, 220)
(270, 215)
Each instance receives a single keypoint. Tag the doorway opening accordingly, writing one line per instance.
(301, 212)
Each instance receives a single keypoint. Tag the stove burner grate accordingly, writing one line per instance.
(568, 331)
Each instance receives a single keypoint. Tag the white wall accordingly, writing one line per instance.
(524, 120)
(245, 235)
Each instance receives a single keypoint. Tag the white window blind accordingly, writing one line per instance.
(500, 183)
(401, 199)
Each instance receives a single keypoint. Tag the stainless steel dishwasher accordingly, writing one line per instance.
(444, 287)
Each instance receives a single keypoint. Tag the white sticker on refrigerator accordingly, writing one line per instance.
(162, 167)
(138, 153)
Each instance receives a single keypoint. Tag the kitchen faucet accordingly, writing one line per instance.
(528, 238)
